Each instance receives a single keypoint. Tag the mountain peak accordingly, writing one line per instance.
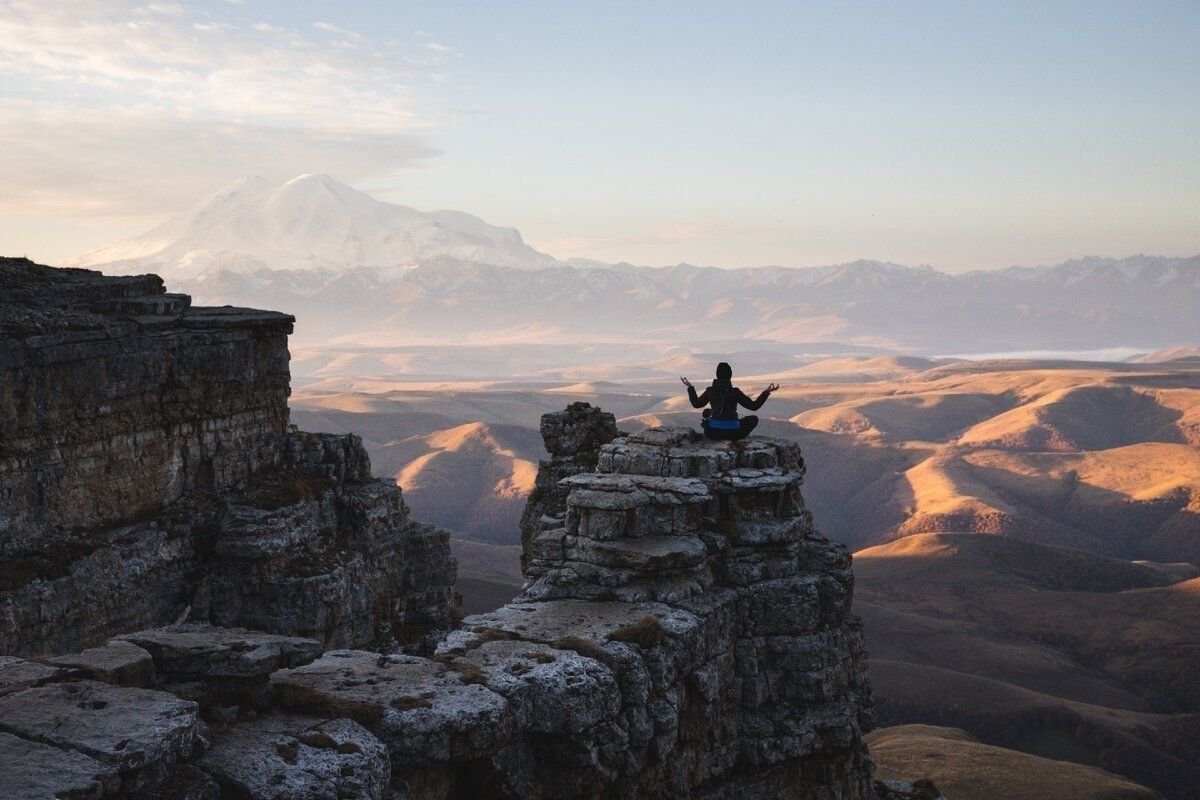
(312, 221)
(314, 177)
(318, 181)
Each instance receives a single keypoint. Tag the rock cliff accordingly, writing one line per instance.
(147, 471)
(683, 630)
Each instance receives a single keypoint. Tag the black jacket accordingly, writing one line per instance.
(725, 398)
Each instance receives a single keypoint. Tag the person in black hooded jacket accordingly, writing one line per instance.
(721, 421)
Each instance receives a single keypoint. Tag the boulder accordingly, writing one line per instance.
(194, 650)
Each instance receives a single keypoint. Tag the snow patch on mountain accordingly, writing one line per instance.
(312, 222)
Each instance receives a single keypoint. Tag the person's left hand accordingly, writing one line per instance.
(774, 387)
(686, 382)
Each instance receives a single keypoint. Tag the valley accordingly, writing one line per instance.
(1026, 532)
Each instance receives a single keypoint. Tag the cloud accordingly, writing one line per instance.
(168, 9)
(331, 28)
(112, 108)
(55, 166)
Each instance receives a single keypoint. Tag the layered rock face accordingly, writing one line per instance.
(573, 439)
(147, 471)
(699, 559)
(119, 398)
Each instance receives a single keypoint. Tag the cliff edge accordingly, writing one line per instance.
(148, 473)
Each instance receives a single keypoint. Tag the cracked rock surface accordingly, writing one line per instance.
(45, 771)
(299, 758)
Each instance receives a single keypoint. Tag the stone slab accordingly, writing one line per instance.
(757, 480)
(551, 690)
(35, 771)
(126, 728)
(554, 620)
(205, 651)
(118, 662)
(19, 674)
(688, 490)
(684, 452)
(644, 554)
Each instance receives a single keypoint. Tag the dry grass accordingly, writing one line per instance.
(1055, 651)
(493, 635)
(965, 769)
(647, 633)
(408, 703)
(588, 648)
(468, 672)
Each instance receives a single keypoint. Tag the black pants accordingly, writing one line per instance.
(745, 426)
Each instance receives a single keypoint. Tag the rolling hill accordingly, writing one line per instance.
(964, 768)
(1101, 457)
(473, 478)
(1052, 651)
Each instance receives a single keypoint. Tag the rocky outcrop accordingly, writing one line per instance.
(573, 438)
(683, 630)
(683, 633)
(119, 399)
(147, 472)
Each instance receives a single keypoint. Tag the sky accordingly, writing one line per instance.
(957, 134)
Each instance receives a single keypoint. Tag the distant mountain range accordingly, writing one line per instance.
(358, 271)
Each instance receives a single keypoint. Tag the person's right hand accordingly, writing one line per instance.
(774, 387)
(686, 382)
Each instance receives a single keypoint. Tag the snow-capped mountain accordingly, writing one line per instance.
(355, 270)
(312, 222)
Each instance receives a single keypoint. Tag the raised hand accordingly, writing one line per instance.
(686, 382)
(774, 387)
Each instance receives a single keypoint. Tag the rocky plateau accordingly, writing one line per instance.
(198, 601)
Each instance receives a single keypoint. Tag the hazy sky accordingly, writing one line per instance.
(958, 134)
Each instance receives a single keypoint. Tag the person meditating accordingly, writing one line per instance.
(721, 420)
